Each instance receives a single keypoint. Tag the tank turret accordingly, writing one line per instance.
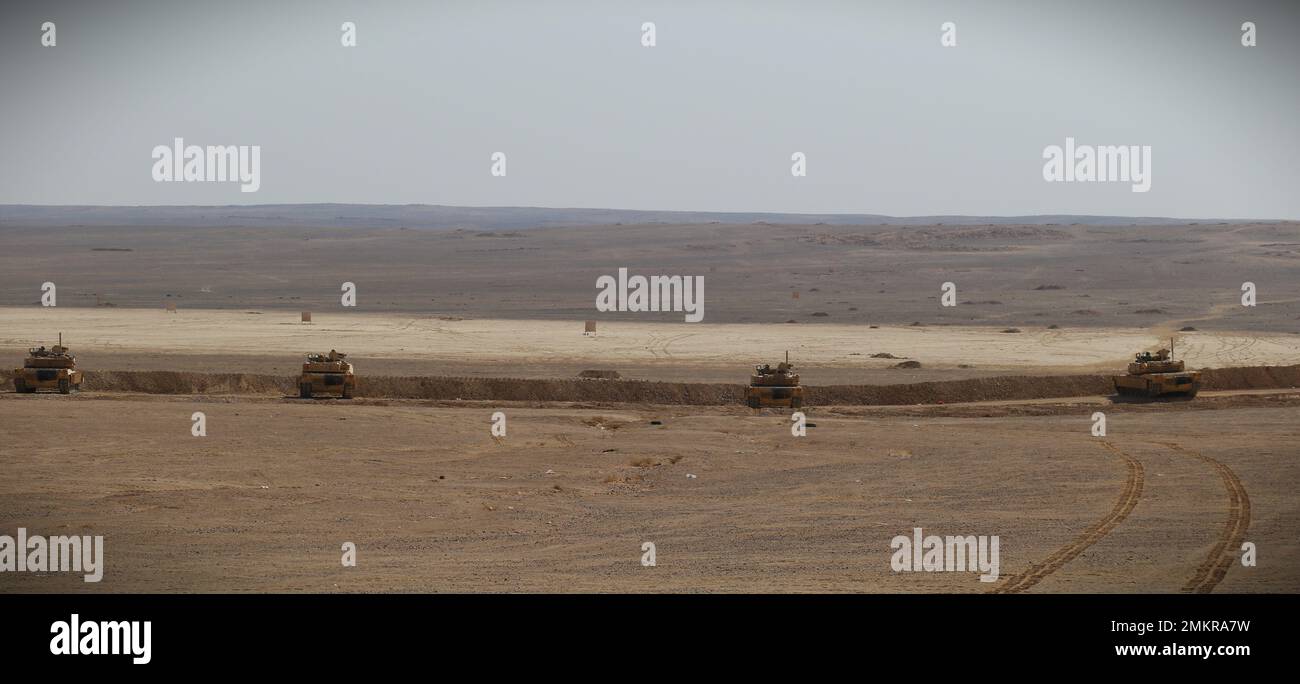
(1159, 362)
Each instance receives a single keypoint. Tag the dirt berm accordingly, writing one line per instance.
(638, 391)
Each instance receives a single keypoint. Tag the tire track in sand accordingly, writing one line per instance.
(1128, 499)
(1222, 555)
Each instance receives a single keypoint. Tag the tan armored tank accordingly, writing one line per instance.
(774, 387)
(48, 369)
(327, 374)
(1157, 375)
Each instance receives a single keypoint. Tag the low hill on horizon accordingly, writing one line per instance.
(431, 216)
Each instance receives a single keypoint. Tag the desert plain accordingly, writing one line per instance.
(1165, 501)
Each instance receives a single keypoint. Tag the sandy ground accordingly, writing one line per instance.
(565, 501)
(273, 341)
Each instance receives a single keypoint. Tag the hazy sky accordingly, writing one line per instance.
(890, 121)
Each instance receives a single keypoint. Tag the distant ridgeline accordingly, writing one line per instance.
(486, 218)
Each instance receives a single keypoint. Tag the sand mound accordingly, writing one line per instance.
(978, 389)
(1253, 377)
(699, 394)
(527, 389)
(171, 382)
